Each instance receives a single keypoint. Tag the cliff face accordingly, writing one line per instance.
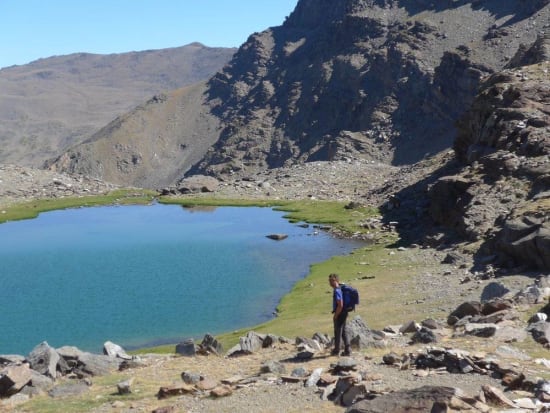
(502, 196)
(378, 79)
(374, 79)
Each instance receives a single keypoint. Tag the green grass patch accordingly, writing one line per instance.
(31, 209)
(330, 213)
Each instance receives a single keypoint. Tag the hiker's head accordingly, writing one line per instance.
(333, 279)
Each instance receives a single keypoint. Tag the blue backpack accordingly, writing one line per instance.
(350, 295)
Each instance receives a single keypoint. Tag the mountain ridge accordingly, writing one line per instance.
(53, 103)
(381, 80)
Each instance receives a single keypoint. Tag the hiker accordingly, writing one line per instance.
(340, 315)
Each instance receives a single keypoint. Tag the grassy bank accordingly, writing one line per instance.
(31, 209)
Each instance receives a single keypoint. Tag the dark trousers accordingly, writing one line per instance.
(340, 331)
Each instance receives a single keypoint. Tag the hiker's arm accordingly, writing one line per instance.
(339, 307)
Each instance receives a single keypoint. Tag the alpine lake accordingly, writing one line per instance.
(146, 275)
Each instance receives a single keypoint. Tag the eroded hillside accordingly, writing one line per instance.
(53, 103)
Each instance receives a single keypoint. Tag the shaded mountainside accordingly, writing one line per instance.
(381, 80)
(53, 103)
(502, 196)
(384, 79)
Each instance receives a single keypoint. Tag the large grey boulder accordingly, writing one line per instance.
(248, 344)
(209, 345)
(97, 364)
(423, 399)
(361, 336)
(14, 378)
(187, 348)
(44, 359)
(252, 342)
(527, 239)
(540, 332)
(468, 308)
(197, 183)
(493, 290)
(114, 350)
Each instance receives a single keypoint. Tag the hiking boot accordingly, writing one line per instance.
(346, 353)
(334, 352)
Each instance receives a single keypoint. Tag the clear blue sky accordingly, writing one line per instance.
(32, 29)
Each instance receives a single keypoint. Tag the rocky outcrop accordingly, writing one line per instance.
(502, 195)
(40, 371)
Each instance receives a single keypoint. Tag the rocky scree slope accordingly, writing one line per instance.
(53, 103)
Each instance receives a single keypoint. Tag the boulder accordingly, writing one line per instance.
(114, 350)
(125, 386)
(409, 327)
(14, 378)
(538, 317)
(496, 304)
(424, 336)
(430, 323)
(270, 340)
(197, 183)
(43, 359)
(540, 332)
(526, 240)
(210, 345)
(305, 352)
(496, 396)
(277, 237)
(314, 378)
(190, 377)
(186, 348)
(480, 330)
(40, 383)
(6, 359)
(166, 392)
(493, 290)
(356, 392)
(252, 342)
(468, 308)
(97, 364)
(423, 399)
(273, 366)
(391, 358)
(221, 391)
(248, 344)
(361, 336)
(311, 343)
(322, 339)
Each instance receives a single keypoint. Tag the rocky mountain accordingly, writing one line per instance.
(370, 82)
(51, 104)
(383, 80)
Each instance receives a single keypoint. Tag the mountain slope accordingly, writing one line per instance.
(376, 79)
(53, 103)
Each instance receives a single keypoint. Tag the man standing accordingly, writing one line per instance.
(340, 315)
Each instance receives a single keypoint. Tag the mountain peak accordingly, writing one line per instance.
(312, 13)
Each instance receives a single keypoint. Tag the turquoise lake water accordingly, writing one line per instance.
(144, 275)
